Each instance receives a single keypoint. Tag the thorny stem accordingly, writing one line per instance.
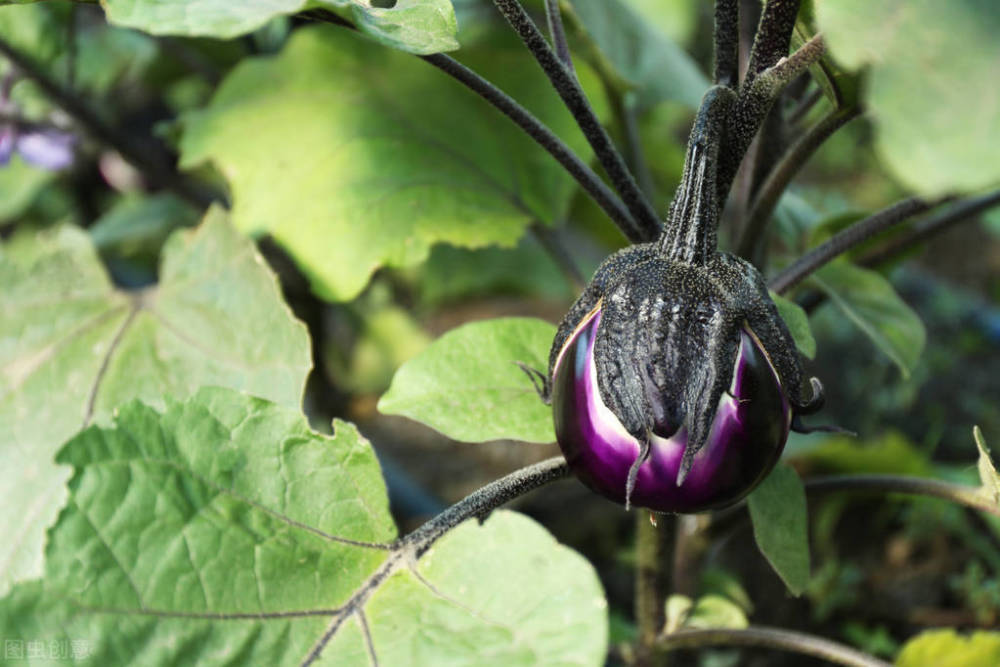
(767, 637)
(727, 42)
(756, 96)
(783, 173)
(153, 163)
(558, 33)
(847, 239)
(573, 97)
(481, 502)
(654, 566)
(934, 224)
(591, 183)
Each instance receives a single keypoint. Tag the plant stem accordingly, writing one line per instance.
(727, 42)
(591, 183)
(573, 97)
(934, 224)
(969, 496)
(481, 502)
(775, 638)
(654, 565)
(847, 239)
(796, 115)
(154, 164)
(779, 178)
(550, 243)
(774, 32)
(554, 18)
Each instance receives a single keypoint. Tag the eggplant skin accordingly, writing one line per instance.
(745, 439)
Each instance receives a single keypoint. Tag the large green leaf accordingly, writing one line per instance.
(868, 300)
(421, 26)
(468, 386)
(225, 532)
(947, 648)
(938, 121)
(72, 348)
(353, 156)
(641, 54)
(780, 526)
(20, 184)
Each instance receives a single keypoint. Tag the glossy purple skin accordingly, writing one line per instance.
(745, 442)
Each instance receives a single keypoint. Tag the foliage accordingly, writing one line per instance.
(231, 193)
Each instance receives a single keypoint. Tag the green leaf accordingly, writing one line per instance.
(641, 54)
(20, 184)
(798, 324)
(379, 152)
(868, 300)
(891, 453)
(467, 384)
(225, 532)
(937, 123)
(715, 611)
(72, 348)
(420, 26)
(135, 228)
(947, 648)
(987, 472)
(780, 526)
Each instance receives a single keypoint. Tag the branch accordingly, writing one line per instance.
(766, 637)
(575, 100)
(756, 96)
(847, 239)
(152, 163)
(727, 42)
(935, 224)
(961, 494)
(774, 32)
(558, 33)
(481, 502)
(779, 178)
(591, 183)
(654, 564)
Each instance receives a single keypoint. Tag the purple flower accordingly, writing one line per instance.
(47, 148)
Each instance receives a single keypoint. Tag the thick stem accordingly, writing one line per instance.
(152, 163)
(774, 32)
(934, 224)
(481, 502)
(779, 178)
(774, 638)
(654, 566)
(572, 95)
(847, 239)
(727, 42)
(554, 18)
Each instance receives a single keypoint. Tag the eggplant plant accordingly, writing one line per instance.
(226, 225)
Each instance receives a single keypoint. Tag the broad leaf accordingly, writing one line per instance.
(20, 184)
(467, 384)
(72, 348)
(225, 532)
(780, 526)
(715, 611)
(947, 648)
(798, 324)
(640, 54)
(937, 122)
(363, 157)
(868, 300)
(421, 26)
